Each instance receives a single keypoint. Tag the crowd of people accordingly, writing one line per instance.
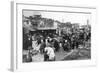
(52, 42)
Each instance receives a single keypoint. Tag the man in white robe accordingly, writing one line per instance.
(50, 53)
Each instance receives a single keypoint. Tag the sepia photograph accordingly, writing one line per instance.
(49, 35)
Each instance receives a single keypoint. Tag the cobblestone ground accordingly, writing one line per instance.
(38, 58)
(63, 55)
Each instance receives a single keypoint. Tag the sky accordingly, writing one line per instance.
(62, 17)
